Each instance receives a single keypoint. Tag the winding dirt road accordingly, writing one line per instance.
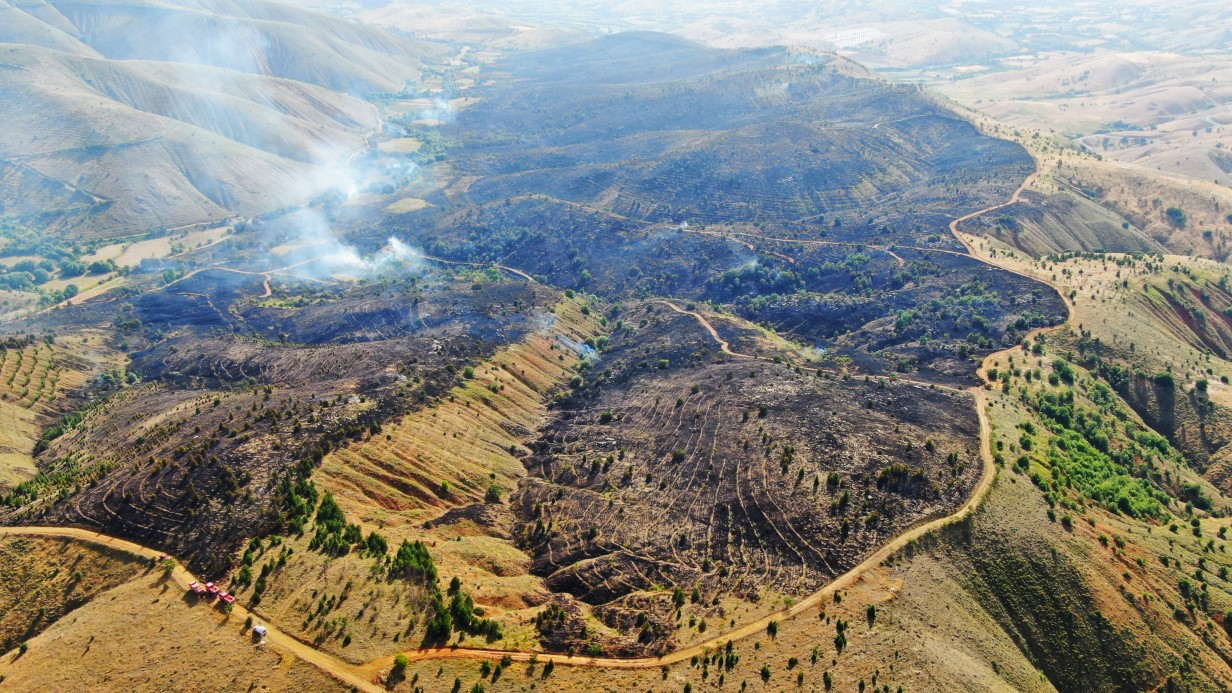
(701, 319)
(347, 673)
(363, 676)
(1014, 199)
(811, 602)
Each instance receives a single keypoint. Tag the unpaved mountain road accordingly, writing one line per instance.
(344, 672)
(701, 319)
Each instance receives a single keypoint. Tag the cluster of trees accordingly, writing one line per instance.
(460, 614)
(55, 258)
(336, 537)
(414, 563)
(1080, 454)
(255, 548)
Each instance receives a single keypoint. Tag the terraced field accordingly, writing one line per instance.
(438, 476)
(683, 466)
(39, 381)
(694, 474)
(190, 458)
(473, 438)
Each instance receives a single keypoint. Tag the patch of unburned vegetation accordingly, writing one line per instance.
(406, 205)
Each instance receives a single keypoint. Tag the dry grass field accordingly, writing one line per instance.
(406, 205)
(131, 254)
(400, 145)
(1159, 111)
(43, 579)
(143, 635)
(1169, 310)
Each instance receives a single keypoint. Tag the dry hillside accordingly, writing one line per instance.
(236, 110)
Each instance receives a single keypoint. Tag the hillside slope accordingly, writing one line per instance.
(237, 109)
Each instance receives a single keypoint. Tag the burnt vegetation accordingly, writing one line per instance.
(787, 193)
(674, 187)
(222, 425)
(678, 467)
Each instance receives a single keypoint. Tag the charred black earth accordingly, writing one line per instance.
(642, 165)
(797, 195)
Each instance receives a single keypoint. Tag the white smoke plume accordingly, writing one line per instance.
(319, 252)
(582, 350)
(441, 111)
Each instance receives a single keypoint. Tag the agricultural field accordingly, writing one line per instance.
(401, 145)
(406, 205)
(167, 244)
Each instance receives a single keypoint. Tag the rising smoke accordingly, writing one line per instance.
(320, 252)
(234, 64)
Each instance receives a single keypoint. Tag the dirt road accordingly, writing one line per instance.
(701, 319)
(344, 672)
(809, 603)
(812, 601)
(1026, 183)
(481, 265)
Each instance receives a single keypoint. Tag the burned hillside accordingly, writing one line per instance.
(761, 180)
(656, 322)
(677, 465)
(191, 457)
